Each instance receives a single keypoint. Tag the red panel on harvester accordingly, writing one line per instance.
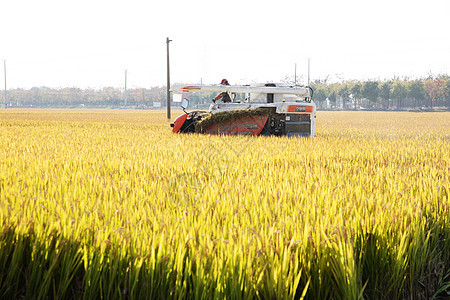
(300, 108)
(179, 122)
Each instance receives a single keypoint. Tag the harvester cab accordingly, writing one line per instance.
(268, 109)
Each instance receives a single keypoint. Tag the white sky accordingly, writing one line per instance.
(90, 43)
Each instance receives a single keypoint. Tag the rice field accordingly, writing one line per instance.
(109, 204)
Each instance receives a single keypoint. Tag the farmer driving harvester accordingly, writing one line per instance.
(224, 95)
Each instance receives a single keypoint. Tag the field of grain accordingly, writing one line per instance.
(109, 204)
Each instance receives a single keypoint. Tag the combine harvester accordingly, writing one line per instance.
(268, 109)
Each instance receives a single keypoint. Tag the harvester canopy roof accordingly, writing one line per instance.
(295, 90)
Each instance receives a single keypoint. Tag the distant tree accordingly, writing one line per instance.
(398, 91)
(385, 92)
(355, 90)
(369, 90)
(415, 90)
(436, 89)
(447, 90)
(36, 97)
(344, 92)
(332, 96)
(320, 93)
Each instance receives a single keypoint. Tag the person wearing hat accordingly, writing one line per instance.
(224, 95)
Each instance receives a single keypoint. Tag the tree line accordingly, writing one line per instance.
(108, 97)
(429, 93)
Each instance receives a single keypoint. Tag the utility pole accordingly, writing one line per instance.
(4, 68)
(125, 96)
(308, 71)
(168, 80)
(295, 74)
